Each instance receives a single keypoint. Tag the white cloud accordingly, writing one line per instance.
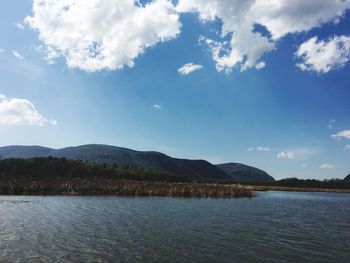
(2, 50)
(304, 165)
(331, 123)
(245, 45)
(260, 65)
(347, 147)
(286, 155)
(15, 111)
(157, 107)
(243, 51)
(116, 32)
(264, 149)
(324, 56)
(50, 54)
(326, 166)
(104, 34)
(19, 26)
(17, 54)
(342, 134)
(189, 68)
(260, 149)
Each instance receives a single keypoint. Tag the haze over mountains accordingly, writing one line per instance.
(105, 154)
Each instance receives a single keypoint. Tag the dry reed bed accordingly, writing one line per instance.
(119, 187)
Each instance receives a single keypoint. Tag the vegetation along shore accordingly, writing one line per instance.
(61, 176)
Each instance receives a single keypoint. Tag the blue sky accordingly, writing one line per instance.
(279, 118)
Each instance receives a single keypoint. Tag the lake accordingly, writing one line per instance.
(271, 227)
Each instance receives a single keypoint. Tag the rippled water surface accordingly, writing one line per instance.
(271, 227)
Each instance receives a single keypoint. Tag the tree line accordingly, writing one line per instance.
(62, 168)
(306, 183)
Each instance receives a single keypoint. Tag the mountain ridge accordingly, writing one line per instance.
(241, 172)
(196, 169)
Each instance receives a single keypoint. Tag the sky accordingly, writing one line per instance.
(265, 83)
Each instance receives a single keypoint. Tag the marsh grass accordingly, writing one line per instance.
(119, 187)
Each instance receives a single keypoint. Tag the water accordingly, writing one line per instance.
(272, 227)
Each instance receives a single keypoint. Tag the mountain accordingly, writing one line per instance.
(195, 169)
(347, 178)
(24, 152)
(242, 172)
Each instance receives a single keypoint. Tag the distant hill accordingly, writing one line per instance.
(195, 169)
(347, 178)
(245, 173)
(24, 151)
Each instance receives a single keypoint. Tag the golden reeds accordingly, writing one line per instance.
(119, 187)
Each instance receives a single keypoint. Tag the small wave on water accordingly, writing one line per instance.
(272, 227)
(14, 202)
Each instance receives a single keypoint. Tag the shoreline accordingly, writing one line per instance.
(112, 187)
(294, 189)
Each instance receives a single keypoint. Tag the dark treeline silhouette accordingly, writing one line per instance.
(62, 168)
(306, 183)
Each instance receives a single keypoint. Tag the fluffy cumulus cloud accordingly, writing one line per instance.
(188, 68)
(15, 111)
(286, 155)
(342, 134)
(326, 166)
(322, 56)
(110, 34)
(246, 45)
(102, 34)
